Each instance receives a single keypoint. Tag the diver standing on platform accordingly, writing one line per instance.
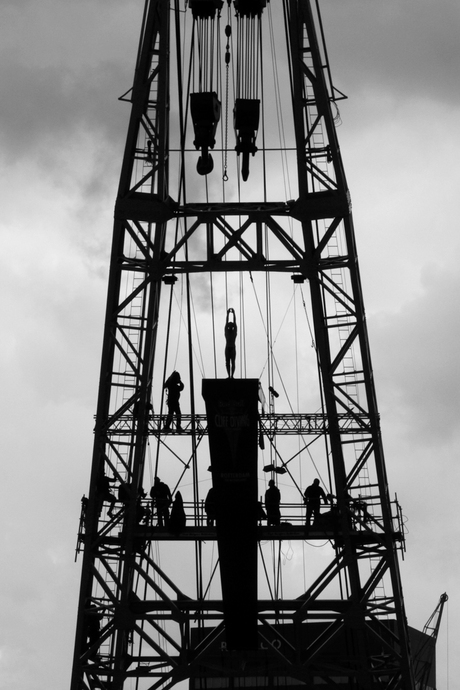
(230, 332)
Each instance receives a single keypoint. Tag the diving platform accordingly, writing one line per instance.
(270, 424)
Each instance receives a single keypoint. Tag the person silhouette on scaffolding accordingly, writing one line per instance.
(174, 387)
(230, 332)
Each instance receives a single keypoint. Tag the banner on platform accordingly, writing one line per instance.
(232, 415)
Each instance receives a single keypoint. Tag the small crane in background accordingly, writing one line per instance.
(424, 655)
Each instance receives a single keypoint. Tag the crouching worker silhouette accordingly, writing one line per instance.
(173, 387)
(312, 497)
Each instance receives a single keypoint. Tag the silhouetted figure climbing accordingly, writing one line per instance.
(92, 625)
(210, 507)
(173, 386)
(272, 504)
(161, 500)
(178, 518)
(312, 497)
(104, 493)
(230, 332)
(358, 510)
(124, 492)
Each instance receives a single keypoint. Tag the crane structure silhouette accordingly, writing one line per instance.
(236, 360)
(424, 648)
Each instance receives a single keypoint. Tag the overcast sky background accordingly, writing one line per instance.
(63, 66)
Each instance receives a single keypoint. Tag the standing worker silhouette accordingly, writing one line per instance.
(210, 507)
(177, 518)
(272, 504)
(173, 386)
(161, 500)
(230, 332)
(312, 497)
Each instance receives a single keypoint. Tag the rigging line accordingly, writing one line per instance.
(447, 645)
(259, 55)
(162, 442)
(190, 363)
(249, 58)
(218, 54)
(289, 554)
(281, 325)
(280, 572)
(328, 449)
(204, 61)
(192, 412)
(209, 55)
(279, 110)
(239, 58)
(199, 562)
(284, 464)
(264, 154)
(256, 27)
(185, 464)
(282, 383)
(214, 570)
(313, 343)
(306, 446)
(168, 333)
(244, 60)
(149, 460)
(271, 358)
(268, 307)
(180, 305)
(216, 26)
(201, 59)
(197, 331)
(243, 349)
(191, 78)
(182, 119)
(267, 579)
(211, 283)
(238, 53)
(275, 565)
(296, 349)
(184, 323)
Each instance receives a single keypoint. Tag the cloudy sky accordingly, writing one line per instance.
(63, 66)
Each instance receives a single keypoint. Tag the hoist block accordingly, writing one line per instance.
(205, 9)
(249, 8)
(205, 110)
(246, 115)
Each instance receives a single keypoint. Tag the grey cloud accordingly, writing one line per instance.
(416, 350)
(42, 107)
(408, 47)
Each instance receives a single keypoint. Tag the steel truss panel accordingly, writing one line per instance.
(150, 608)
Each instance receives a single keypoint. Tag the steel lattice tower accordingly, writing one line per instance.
(261, 225)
